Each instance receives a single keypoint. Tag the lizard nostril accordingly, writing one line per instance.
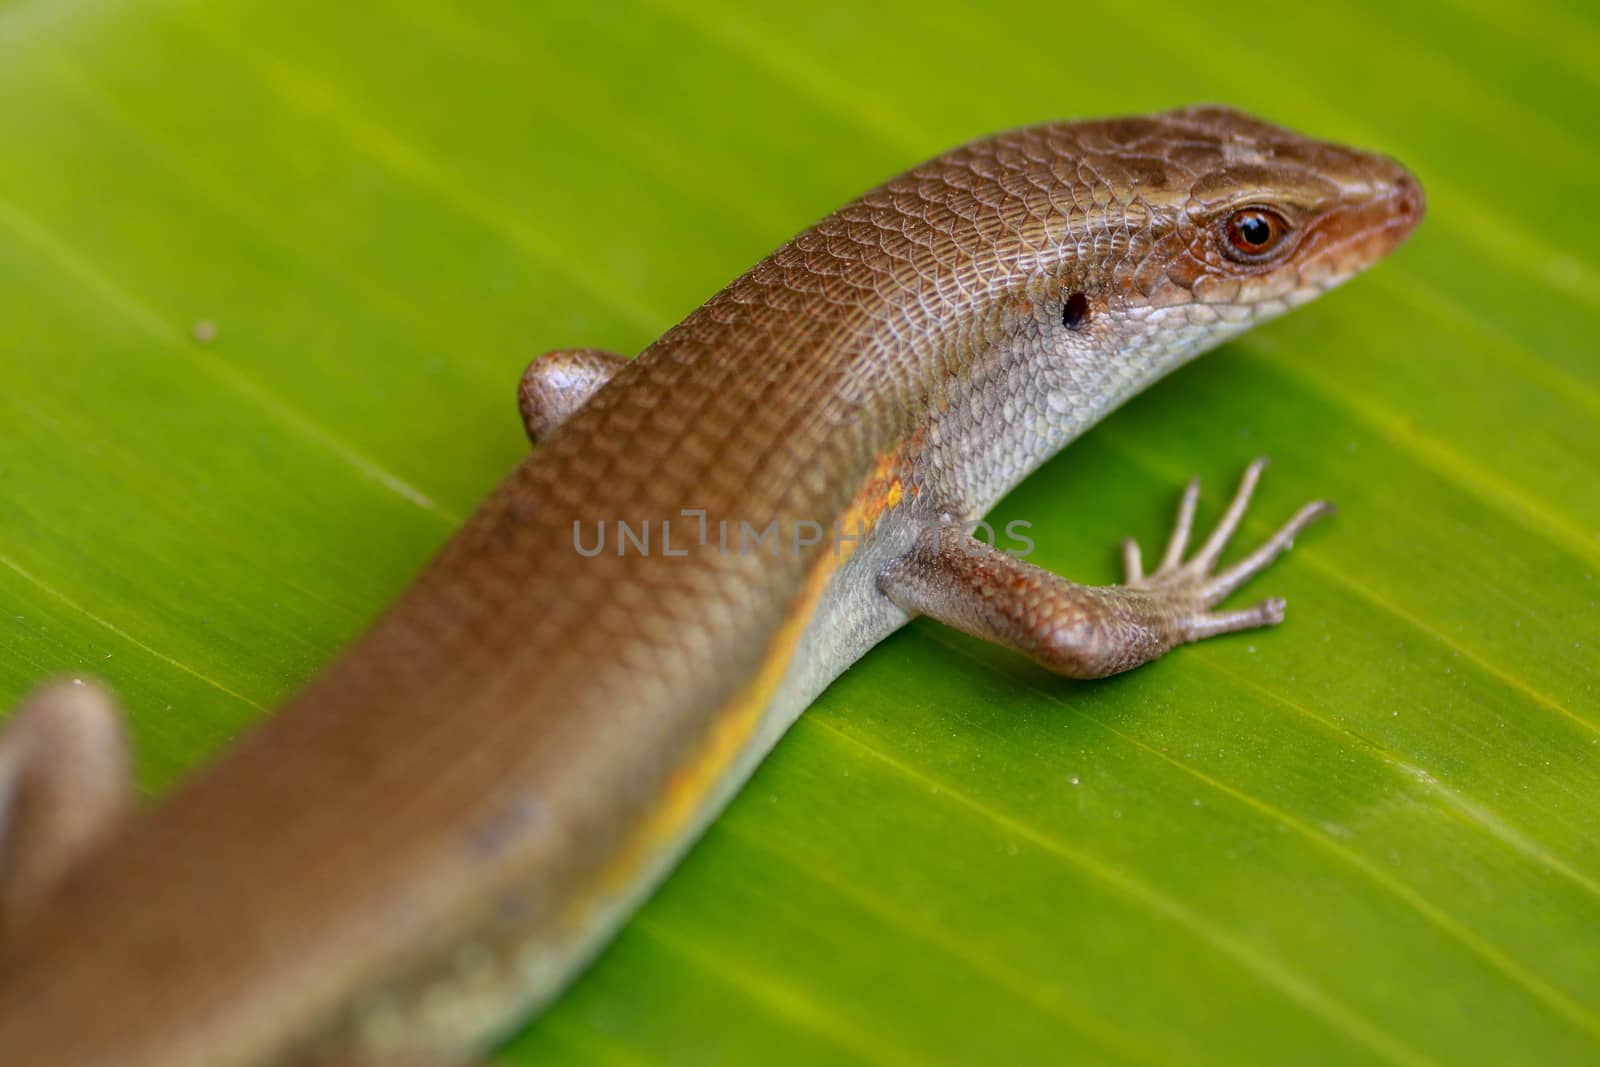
(1409, 200)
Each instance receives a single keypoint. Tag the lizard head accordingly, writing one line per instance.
(1235, 219)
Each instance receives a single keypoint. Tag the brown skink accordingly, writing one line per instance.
(425, 845)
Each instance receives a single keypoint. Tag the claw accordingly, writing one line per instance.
(1132, 561)
(1194, 582)
(1179, 541)
(1211, 551)
(1258, 561)
(1268, 612)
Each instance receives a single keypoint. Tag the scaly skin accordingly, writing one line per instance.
(427, 843)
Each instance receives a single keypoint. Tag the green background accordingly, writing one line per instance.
(1370, 835)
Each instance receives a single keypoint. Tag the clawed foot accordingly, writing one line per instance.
(1192, 585)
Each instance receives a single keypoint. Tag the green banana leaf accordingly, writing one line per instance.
(269, 271)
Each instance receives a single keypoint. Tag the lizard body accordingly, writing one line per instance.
(426, 844)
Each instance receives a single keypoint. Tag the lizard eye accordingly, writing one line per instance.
(1254, 233)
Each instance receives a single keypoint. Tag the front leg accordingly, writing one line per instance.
(558, 383)
(1091, 631)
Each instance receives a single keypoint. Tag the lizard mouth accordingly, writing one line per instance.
(1363, 229)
